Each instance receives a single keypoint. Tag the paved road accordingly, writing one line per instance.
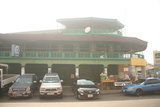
(107, 100)
(121, 103)
(107, 97)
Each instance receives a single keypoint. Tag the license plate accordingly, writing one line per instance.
(90, 95)
(18, 95)
(50, 93)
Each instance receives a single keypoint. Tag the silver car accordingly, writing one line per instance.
(51, 86)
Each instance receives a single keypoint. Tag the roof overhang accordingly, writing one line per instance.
(102, 23)
(129, 43)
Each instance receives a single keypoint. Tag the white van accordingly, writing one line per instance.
(51, 86)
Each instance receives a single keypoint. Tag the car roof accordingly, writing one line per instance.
(51, 74)
(27, 75)
(84, 80)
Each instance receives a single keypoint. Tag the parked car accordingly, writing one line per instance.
(142, 86)
(85, 89)
(51, 86)
(24, 86)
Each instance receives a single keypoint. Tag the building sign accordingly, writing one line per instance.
(138, 62)
(126, 69)
(15, 50)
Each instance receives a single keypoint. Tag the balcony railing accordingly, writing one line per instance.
(70, 55)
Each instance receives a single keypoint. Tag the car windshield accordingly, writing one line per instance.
(85, 82)
(24, 80)
(139, 81)
(51, 79)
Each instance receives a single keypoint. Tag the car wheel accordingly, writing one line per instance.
(98, 97)
(11, 97)
(31, 95)
(41, 97)
(77, 95)
(125, 94)
(139, 92)
(60, 96)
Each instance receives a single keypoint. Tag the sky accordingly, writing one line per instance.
(140, 17)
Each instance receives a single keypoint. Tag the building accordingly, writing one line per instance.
(85, 47)
(156, 58)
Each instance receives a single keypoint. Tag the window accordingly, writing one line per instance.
(153, 81)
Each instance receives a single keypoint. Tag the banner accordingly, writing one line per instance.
(15, 50)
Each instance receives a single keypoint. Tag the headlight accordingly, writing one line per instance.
(130, 89)
(123, 84)
(97, 90)
(60, 88)
(42, 89)
(80, 90)
(28, 89)
(10, 90)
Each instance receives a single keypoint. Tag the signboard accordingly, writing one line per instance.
(15, 50)
(126, 69)
(138, 62)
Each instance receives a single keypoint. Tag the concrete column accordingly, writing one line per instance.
(22, 70)
(133, 72)
(49, 70)
(105, 70)
(77, 72)
(143, 72)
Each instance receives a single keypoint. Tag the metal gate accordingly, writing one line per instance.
(66, 73)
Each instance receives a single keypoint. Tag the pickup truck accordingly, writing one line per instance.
(6, 80)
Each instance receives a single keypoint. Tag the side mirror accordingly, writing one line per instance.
(40, 81)
(61, 80)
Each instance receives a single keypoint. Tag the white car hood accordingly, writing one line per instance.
(51, 85)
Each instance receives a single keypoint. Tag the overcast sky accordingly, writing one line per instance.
(140, 17)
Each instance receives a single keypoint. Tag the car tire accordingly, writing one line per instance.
(41, 97)
(11, 98)
(98, 97)
(77, 96)
(139, 92)
(31, 95)
(125, 94)
(60, 96)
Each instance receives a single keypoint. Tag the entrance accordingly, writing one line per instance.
(112, 69)
(14, 68)
(91, 72)
(39, 69)
(66, 72)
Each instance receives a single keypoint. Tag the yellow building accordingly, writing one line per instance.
(156, 57)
